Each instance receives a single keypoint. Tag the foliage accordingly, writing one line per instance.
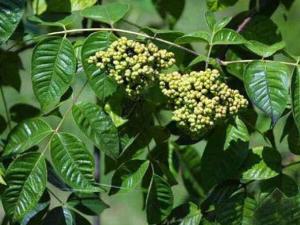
(159, 112)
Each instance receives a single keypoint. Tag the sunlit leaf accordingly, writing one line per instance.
(215, 5)
(128, 176)
(26, 181)
(194, 216)
(73, 162)
(36, 216)
(263, 49)
(267, 86)
(25, 135)
(60, 6)
(53, 69)
(236, 131)
(227, 36)
(11, 13)
(261, 163)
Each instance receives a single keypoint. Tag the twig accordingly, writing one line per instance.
(123, 31)
(226, 63)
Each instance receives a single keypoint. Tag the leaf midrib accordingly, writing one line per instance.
(73, 161)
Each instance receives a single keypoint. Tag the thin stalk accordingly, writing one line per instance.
(123, 31)
(222, 62)
(291, 164)
(209, 49)
(5, 107)
(225, 63)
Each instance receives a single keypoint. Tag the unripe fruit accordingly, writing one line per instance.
(199, 99)
(133, 64)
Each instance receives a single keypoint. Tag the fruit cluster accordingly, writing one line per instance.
(199, 99)
(133, 64)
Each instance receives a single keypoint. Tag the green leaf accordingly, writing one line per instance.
(261, 163)
(199, 36)
(190, 161)
(238, 209)
(2, 181)
(36, 216)
(25, 135)
(278, 209)
(73, 162)
(295, 92)
(128, 176)
(216, 163)
(11, 13)
(267, 86)
(215, 5)
(89, 204)
(261, 28)
(57, 22)
(59, 216)
(223, 23)
(263, 49)
(294, 139)
(10, 64)
(53, 69)
(3, 124)
(20, 112)
(26, 179)
(227, 36)
(236, 69)
(160, 199)
(114, 109)
(98, 126)
(194, 216)
(235, 132)
(60, 6)
(100, 82)
(107, 13)
(282, 182)
(210, 20)
(169, 12)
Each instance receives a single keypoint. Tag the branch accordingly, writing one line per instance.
(226, 63)
(123, 31)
